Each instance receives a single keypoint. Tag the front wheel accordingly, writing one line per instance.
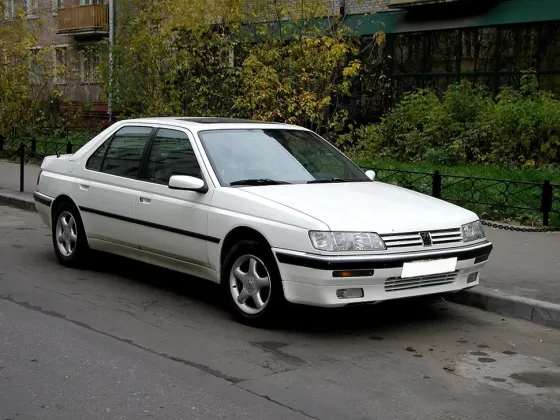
(252, 283)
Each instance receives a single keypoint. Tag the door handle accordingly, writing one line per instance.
(145, 200)
(84, 187)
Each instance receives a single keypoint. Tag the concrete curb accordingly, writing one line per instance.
(532, 310)
(22, 200)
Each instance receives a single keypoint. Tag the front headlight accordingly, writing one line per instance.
(472, 231)
(346, 241)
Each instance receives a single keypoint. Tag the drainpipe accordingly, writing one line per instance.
(111, 63)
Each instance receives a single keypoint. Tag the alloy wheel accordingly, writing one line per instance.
(66, 234)
(249, 282)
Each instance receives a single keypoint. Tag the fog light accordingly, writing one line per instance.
(350, 293)
(472, 277)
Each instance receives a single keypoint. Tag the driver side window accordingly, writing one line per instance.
(171, 154)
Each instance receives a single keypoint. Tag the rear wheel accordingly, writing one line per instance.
(68, 235)
(252, 284)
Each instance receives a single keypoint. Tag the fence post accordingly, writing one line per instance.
(69, 147)
(436, 184)
(21, 166)
(546, 201)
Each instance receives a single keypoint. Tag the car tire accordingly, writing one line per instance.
(252, 285)
(69, 236)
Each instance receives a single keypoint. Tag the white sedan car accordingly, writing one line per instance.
(272, 212)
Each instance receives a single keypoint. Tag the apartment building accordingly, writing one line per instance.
(67, 32)
(429, 43)
(433, 43)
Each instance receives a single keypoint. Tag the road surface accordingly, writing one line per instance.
(122, 340)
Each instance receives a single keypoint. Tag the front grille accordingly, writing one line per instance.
(396, 284)
(438, 237)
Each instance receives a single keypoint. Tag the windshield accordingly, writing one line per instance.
(275, 156)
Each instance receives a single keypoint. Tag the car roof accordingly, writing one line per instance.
(212, 123)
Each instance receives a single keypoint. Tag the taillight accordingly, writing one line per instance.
(39, 177)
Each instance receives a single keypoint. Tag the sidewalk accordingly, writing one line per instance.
(522, 278)
(9, 185)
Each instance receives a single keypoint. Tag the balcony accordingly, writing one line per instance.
(91, 19)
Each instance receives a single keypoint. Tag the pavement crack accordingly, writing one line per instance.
(201, 367)
(266, 397)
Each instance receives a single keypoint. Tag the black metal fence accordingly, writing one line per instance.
(493, 199)
(45, 142)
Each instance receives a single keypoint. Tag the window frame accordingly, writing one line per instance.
(145, 156)
(144, 168)
(60, 77)
(32, 8)
(57, 5)
(9, 10)
(86, 61)
(109, 141)
(36, 77)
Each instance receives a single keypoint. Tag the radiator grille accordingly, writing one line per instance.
(438, 237)
(396, 284)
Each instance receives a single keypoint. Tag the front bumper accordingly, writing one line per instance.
(308, 279)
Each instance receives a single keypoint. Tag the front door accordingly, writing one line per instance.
(171, 222)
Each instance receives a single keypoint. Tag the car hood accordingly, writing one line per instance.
(367, 206)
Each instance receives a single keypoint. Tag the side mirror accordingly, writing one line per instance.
(371, 174)
(187, 183)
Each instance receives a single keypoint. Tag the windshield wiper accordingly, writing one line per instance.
(258, 181)
(326, 181)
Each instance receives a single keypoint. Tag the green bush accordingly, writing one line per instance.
(519, 126)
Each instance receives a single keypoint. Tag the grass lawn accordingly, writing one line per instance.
(502, 201)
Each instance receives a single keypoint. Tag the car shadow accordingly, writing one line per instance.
(352, 320)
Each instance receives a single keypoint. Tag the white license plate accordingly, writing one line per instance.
(427, 268)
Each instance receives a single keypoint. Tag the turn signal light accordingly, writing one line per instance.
(353, 273)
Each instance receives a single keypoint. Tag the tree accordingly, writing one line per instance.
(27, 97)
(273, 60)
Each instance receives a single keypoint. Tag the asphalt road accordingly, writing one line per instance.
(123, 340)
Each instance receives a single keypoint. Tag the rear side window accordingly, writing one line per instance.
(124, 152)
(95, 160)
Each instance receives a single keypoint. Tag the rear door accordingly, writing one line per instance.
(108, 193)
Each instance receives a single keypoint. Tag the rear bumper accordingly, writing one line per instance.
(308, 279)
(43, 206)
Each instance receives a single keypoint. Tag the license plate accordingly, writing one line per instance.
(427, 268)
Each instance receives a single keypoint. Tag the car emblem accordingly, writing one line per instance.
(426, 238)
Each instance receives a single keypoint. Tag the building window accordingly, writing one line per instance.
(35, 76)
(9, 9)
(86, 2)
(90, 60)
(32, 7)
(60, 64)
(58, 4)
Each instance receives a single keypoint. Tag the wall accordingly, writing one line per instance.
(366, 6)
